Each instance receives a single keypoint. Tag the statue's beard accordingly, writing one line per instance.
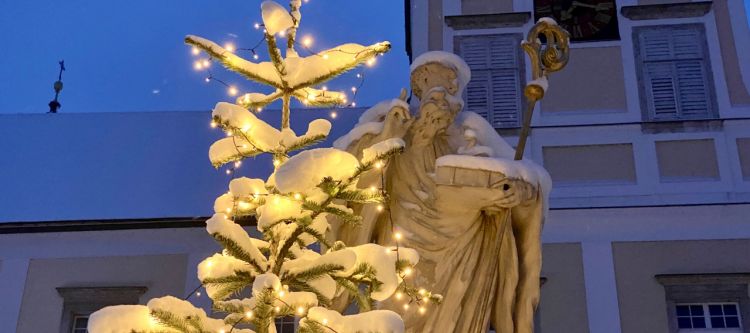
(430, 125)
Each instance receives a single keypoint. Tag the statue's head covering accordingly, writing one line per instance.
(439, 69)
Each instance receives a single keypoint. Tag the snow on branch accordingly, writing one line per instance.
(263, 72)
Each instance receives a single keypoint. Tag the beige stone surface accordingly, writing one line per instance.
(592, 81)
(642, 301)
(687, 160)
(563, 302)
(612, 163)
(42, 306)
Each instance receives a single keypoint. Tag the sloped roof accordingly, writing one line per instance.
(87, 166)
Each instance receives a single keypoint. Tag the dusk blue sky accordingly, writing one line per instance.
(130, 56)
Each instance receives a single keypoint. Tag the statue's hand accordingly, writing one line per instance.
(511, 193)
(397, 122)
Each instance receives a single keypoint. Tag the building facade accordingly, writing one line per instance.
(646, 134)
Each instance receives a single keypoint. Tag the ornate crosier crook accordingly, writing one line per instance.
(552, 58)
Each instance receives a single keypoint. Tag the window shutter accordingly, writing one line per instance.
(675, 75)
(494, 91)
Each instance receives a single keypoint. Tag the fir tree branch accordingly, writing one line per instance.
(235, 250)
(358, 59)
(314, 272)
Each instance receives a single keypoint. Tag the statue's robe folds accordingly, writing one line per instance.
(485, 263)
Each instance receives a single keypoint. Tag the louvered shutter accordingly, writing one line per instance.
(494, 91)
(674, 72)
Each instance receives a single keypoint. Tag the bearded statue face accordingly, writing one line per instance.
(436, 113)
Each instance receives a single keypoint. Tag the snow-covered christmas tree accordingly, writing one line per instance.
(254, 281)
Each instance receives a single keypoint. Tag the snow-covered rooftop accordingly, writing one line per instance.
(88, 166)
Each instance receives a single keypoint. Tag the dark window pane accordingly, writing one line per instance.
(699, 322)
(715, 310)
(732, 322)
(717, 322)
(730, 310)
(683, 310)
(684, 322)
(696, 310)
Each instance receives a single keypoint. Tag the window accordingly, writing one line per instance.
(80, 302)
(708, 315)
(496, 77)
(286, 325)
(707, 302)
(674, 73)
(80, 323)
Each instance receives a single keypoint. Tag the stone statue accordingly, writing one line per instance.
(457, 197)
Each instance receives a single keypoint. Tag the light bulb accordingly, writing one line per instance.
(229, 210)
(276, 162)
(406, 306)
(373, 188)
(325, 88)
(398, 236)
(325, 321)
(301, 310)
(232, 91)
(407, 271)
(422, 310)
(213, 124)
(421, 291)
(277, 309)
(297, 196)
(379, 164)
(281, 293)
(307, 41)
(359, 75)
(229, 172)
(222, 331)
(325, 56)
(237, 164)
(354, 89)
(258, 109)
(206, 63)
(282, 33)
(371, 62)
(399, 295)
(333, 115)
(198, 294)
(230, 133)
(380, 208)
(195, 50)
(229, 47)
(198, 65)
(208, 79)
(255, 56)
(354, 104)
(249, 314)
(256, 25)
(246, 128)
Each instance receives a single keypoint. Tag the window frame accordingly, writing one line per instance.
(647, 112)
(520, 71)
(83, 301)
(707, 317)
(706, 289)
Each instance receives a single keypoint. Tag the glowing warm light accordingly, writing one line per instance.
(380, 208)
(407, 271)
(230, 133)
(399, 295)
(311, 98)
(325, 56)
(232, 91)
(208, 79)
(213, 124)
(198, 65)
(297, 196)
(406, 306)
(379, 164)
(222, 331)
(229, 172)
(421, 291)
(354, 104)
(249, 314)
(325, 88)
(333, 115)
(256, 25)
(198, 294)
(282, 33)
(281, 293)
(246, 127)
(258, 109)
(195, 50)
(398, 236)
(229, 47)
(244, 205)
(237, 164)
(152, 321)
(359, 75)
(301, 310)
(325, 321)
(229, 210)
(277, 309)
(307, 41)
(354, 89)
(371, 62)
(373, 188)
(422, 310)
(255, 56)
(206, 63)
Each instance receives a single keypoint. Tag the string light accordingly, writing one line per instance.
(255, 56)
(379, 164)
(206, 63)
(282, 33)
(301, 310)
(232, 91)
(237, 164)
(249, 314)
(229, 47)
(276, 162)
(324, 88)
(333, 114)
(325, 56)
(230, 133)
(277, 309)
(195, 50)
(325, 321)
(422, 310)
(229, 172)
(213, 124)
(307, 41)
(398, 236)
(198, 65)
(222, 331)
(256, 25)
(354, 104)
(370, 62)
(354, 89)
(208, 79)
(406, 306)
(297, 196)
(380, 209)
(259, 109)
(399, 295)
(197, 294)
(407, 271)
